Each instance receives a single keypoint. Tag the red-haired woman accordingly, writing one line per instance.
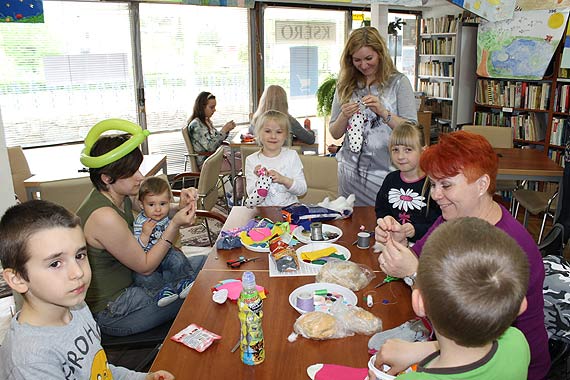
(462, 169)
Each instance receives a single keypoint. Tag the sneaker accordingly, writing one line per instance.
(184, 287)
(166, 296)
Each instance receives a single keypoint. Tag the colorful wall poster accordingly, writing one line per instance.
(223, 3)
(22, 11)
(521, 47)
(491, 10)
(529, 5)
(565, 62)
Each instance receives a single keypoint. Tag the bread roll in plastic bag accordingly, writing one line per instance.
(346, 273)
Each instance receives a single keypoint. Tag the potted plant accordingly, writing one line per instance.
(325, 95)
(393, 28)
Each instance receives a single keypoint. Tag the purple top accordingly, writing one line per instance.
(531, 322)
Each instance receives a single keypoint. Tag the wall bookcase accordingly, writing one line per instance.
(538, 111)
(446, 62)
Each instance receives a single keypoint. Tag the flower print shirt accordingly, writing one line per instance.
(405, 202)
(203, 139)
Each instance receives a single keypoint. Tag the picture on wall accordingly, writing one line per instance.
(30, 11)
(521, 47)
(491, 10)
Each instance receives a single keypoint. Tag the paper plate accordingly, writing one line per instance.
(316, 246)
(347, 294)
(305, 236)
(259, 248)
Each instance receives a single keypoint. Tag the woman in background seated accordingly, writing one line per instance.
(275, 98)
(204, 136)
(462, 168)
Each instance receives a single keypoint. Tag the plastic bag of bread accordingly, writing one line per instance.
(320, 326)
(346, 273)
(356, 319)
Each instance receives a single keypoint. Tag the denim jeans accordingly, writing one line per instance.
(173, 268)
(136, 311)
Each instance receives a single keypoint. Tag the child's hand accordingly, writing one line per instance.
(278, 178)
(228, 126)
(371, 375)
(409, 230)
(257, 169)
(160, 375)
(388, 227)
(148, 226)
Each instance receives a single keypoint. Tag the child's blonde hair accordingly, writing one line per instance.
(154, 186)
(279, 118)
(408, 134)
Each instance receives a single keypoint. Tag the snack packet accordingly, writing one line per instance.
(195, 337)
(284, 257)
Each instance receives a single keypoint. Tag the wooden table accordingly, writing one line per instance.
(240, 215)
(151, 165)
(529, 164)
(284, 360)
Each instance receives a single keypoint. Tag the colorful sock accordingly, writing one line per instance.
(261, 189)
(354, 130)
(166, 296)
(336, 372)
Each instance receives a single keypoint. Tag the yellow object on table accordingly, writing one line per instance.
(314, 255)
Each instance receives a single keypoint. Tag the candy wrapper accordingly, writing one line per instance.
(196, 337)
(284, 257)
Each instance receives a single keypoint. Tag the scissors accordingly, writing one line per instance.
(387, 279)
(240, 260)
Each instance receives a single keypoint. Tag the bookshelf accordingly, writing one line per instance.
(538, 111)
(446, 62)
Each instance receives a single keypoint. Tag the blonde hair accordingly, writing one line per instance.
(408, 134)
(273, 98)
(349, 77)
(279, 118)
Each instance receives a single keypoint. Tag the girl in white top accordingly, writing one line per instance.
(283, 164)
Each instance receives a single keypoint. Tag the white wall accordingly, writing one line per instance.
(6, 187)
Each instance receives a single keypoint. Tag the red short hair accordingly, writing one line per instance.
(461, 152)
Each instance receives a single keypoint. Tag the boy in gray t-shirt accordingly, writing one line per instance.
(54, 336)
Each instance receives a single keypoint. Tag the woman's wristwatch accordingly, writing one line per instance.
(411, 279)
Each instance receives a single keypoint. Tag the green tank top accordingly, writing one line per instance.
(109, 277)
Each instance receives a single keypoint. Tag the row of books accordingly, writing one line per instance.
(443, 24)
(437, 89)
(562, 98)
(442, 46)
(557, 156)
(516, 94)
(560, 131)
(564, 73)
(526, 126)
(437, 68)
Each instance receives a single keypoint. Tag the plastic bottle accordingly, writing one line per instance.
(250, 315)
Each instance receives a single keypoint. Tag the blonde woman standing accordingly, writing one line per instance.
(368, 85)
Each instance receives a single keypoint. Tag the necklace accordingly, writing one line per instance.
(489, 215)
(118, 204)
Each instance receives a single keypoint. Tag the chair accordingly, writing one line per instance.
(68, 193)
(322, 178)
(207, 186)
(536, 202)
(190, 160)
(20, 171)
(498, 137)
